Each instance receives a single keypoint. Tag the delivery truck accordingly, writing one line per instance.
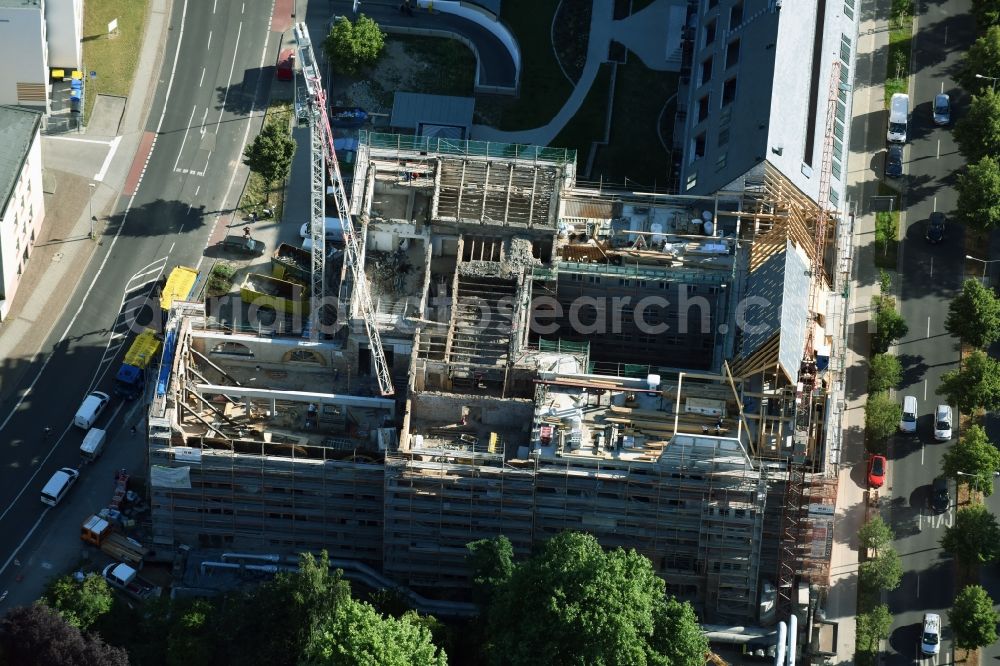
(131, 378)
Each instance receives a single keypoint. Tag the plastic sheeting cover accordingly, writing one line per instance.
(170, 477)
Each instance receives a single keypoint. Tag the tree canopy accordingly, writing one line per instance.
(889, 324)
(974, 315)
(270, 154)
(356, 635)
(987, 13)
(973, 619)
(80, 603)
(37, 635)
(978, 131)
(983, 57)
(976, 383)
(884, 372)
(883, 572)
(973, 460)
(872, 627)
(882, 416)
(975, 536)
(353, 46)
(875, 534)
(979, 194)
(575, 603)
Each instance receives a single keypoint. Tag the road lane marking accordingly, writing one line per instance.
(214, 3)
(209, 41)
(99, 176)
(103, 142)
(925, 390)
(932, 265)
(184, 140)
(928, 333)
(918, 586)
(202, 79)
(935, 204)
(203, 116)
(937, 154)
(232, 68)
(196, 190)
(25, 539)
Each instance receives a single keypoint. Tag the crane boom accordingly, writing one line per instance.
(320, 126)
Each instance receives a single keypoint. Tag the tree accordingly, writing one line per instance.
(873, 627)
(974, 315)
(355, 634)
(975, 536)
(973, 619)
(983, 57)
(978, 131)
(492, 564)
(80, 603)
(976, 383)
(574, 603)
(272, 623)
(973, 460)
(37, 635)
(884, 372)
(882, 416)
(270, 155)
(875, 534)
(354, 46)
(979, 194)
(987, 13)
(889, 324)
(881, 573)
(191, 641)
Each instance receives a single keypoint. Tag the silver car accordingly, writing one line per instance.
(942, 109)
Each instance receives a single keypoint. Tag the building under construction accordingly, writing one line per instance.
(652, 369)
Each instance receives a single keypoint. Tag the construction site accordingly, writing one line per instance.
(516, 354)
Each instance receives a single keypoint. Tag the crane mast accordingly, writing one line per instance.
(321, 145)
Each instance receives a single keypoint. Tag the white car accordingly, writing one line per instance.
(942, 423)
(930, 638)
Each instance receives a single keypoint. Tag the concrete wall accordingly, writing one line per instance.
(21, 225)
(64, 20)
(24, 54)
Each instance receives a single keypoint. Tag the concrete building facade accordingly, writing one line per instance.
(756, 82)
(23, 205)
(24, 49)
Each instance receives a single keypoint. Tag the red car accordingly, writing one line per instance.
(285, 68)
(876, 471)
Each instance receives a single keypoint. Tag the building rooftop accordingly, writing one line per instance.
(445, 116)
(18, 128)
(19, 4)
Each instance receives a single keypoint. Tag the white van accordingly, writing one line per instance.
(334, 231)
(59, 485)
(942, 423)
(908, 423)
(93, 443)
(930, 637)
(899, 114)
(91, 408)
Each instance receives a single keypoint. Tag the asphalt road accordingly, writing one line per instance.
(215, 82)
(931, 276)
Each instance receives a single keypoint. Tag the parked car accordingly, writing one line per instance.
(942, 109)
(942, 423)
(936, 228)
(930, 637)
(940, 497)
(876, 471)
(894, 161)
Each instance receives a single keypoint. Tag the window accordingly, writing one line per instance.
(699, 145)
(732, 53)
(729, 91)
(703, 108)
(736, 15)
(845, 49)
(849, 9)
(712, 3)
(706, 71)
(723, 137)
(710, 32)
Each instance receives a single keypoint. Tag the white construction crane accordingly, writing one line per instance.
(322, 150)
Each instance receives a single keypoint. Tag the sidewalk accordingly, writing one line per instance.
(868, 101)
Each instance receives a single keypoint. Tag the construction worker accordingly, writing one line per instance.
(246, 232)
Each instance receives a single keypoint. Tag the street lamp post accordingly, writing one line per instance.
(93, 235)
(984, 262)
(992, 79)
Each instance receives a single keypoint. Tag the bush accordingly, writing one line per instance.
(884, 372)
(882, 416)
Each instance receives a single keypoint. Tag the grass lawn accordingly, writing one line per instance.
(898, 66)
(451, 66)
(887, 232)
(280, 112)
(114, 59)
(588, 124)
(544, 89)
(640, 95)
